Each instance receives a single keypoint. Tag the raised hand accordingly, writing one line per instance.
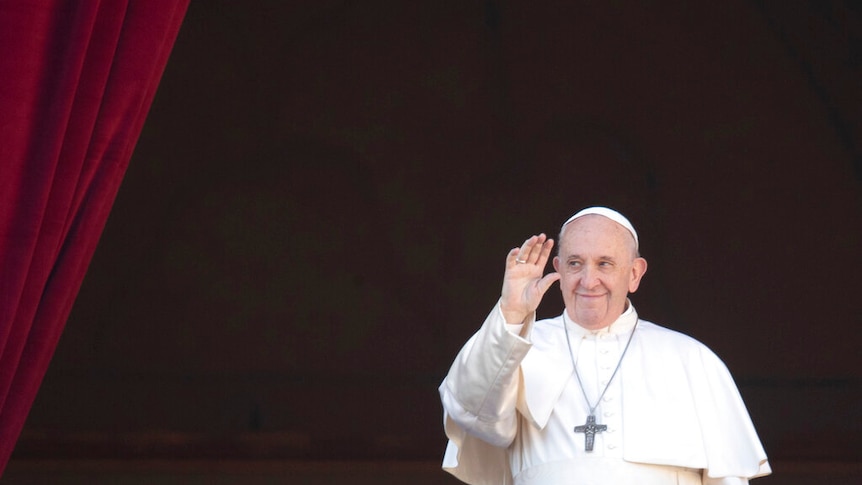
(524, 283)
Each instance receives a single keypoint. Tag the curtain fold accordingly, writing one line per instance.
(77, 79)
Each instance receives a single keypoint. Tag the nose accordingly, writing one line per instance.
(589, 278)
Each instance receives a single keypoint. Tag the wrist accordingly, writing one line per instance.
(513, 317)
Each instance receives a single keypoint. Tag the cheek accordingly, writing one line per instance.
(568, 282)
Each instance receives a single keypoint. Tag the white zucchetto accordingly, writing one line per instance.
(610, 214)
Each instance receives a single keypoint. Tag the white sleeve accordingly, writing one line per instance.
(481, 389)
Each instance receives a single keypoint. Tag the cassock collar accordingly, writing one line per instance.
(622, 325)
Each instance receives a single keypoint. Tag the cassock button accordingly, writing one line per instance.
(612, 446)
(608, 414)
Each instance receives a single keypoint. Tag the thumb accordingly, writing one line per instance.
(545, 283)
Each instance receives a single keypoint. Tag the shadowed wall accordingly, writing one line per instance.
(317, 213)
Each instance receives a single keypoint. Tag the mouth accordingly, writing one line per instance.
(589, 296)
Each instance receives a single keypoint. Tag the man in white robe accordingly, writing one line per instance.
(517, 399)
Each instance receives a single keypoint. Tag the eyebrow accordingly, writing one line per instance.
(578, 256)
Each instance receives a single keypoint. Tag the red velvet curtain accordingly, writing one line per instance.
(77, 78)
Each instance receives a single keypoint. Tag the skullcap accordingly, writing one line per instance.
(610, 214)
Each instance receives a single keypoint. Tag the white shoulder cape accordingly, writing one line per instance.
(689, 412)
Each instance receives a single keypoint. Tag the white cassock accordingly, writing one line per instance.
(673, 413)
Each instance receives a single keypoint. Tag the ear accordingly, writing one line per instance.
(557, 264)
(639, 267)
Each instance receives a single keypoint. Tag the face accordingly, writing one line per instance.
(599, 267)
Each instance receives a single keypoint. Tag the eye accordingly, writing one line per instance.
(574, 263)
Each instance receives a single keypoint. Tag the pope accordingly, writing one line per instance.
(596, 395)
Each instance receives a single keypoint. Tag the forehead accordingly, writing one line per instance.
(595, 234)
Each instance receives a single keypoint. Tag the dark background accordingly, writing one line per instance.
(317, 213)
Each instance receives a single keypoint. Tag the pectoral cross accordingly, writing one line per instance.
(590, 428)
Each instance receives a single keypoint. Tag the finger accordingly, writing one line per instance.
(512, 257)
(540, 251)
(523, 254)
(545, 251)
(517, 257)
(532, 249)
(545, 283)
